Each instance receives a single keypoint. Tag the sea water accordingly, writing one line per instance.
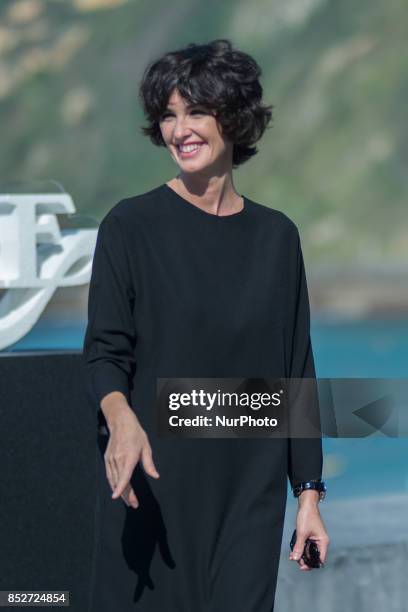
(342, 349)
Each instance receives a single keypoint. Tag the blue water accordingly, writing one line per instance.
(366, 349)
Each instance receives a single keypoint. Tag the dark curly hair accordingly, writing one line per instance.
(218, 77)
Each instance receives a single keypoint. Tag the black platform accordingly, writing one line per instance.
(47, 458)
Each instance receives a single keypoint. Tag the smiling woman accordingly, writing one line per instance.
(193, 280)
(212, 84)
(204, 103)
(192, 134)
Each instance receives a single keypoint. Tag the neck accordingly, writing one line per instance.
(216, 195)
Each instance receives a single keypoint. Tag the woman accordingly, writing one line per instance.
(191, 279)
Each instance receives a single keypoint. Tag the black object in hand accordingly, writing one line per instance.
(311, 554)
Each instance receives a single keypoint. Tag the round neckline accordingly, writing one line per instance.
(196, 209)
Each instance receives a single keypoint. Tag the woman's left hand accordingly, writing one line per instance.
(309, 524)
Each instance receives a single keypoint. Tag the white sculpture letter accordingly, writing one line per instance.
(36, 257)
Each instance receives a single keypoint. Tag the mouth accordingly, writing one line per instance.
(189, 150)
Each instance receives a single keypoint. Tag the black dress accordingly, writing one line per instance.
(179, 292)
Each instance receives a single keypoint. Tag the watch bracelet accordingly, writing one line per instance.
(316, 485)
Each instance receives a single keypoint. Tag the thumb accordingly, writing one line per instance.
(298, 547)
(148, 463)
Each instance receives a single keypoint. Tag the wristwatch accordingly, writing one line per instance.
(317, 485)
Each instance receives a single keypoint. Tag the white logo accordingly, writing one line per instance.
(36, 257)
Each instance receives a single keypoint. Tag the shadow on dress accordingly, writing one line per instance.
(143, 529)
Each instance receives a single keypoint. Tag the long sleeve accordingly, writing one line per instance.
(305, 457)
(108, 350)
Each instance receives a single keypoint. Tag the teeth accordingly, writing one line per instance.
(188, 148)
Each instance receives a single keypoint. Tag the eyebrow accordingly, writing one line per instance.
(187, 106)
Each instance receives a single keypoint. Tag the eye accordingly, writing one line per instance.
(193, 111)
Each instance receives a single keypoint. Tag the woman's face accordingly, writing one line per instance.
(181, 125)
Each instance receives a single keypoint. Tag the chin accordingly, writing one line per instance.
(193, 165)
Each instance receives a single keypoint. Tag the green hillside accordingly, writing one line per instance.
(335, 71)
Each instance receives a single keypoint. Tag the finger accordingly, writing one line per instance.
(297, 551)
(125, 495)
(109, 475)
(130, 498)
(148, 464)
(303, 566)
(323, 553)
(124, 480)
(111, 469)
(133, 499)
(115, 471)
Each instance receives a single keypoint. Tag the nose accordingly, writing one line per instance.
(181, 128)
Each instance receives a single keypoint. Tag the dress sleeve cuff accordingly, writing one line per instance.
(107, 378)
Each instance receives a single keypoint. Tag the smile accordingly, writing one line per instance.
(188, 150)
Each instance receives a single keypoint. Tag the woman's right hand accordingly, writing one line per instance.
(128, 443)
